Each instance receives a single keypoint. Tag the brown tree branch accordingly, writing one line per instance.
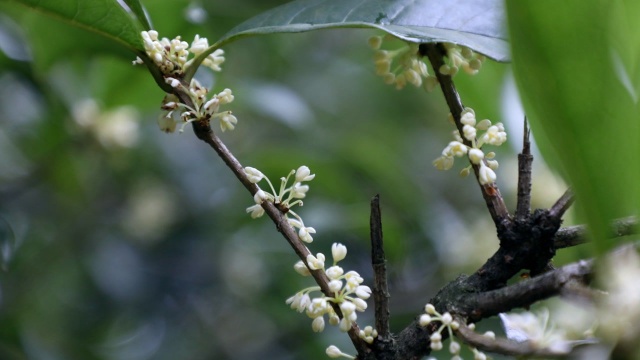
(577, 234)
(490, 192)
(501, 345)
(562, 205)
(203, 131)
(379, 263)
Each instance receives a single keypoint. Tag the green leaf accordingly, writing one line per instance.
(576, 64)
(478, 24)
(138, 10)
(105, 17)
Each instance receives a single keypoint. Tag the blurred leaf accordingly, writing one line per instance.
(105, 17)
(478, 25)
(576, 66)
(138, 9)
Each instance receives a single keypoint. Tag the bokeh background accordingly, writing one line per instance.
(120, 242)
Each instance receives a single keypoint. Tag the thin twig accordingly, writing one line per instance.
(501, 345)
(490, 192)
(203, 132)
(562, 205)
(379, 263)
(525, 160)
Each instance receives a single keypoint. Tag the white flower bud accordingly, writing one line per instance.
(424, 320)
(334, 319)
(363, 292)
(260, 196)
(347, 308)
(360, 304)
(436, 345)
(305, 234)
(468, 117)
(435, 337)
(345, 324)
(430, 309)
(465, 172)
(301, 268)
(454, 347)
(318, 324)
(447, 318)
(493, 164)
(490, 334)
(333, 352)
(253, 174)
(484, 124)
(338, 251)
(469, 132)
(335, 286)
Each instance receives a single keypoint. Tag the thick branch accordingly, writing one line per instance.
(525, 160)
(379, 263)
(490, 192)
(485, 304)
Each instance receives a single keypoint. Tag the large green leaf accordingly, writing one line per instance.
(105, 17)
(576, 64)
(476, 24)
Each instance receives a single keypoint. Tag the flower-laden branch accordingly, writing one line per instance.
(464, 122)
(342, 294)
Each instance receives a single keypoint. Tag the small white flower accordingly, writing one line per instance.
(256, 211)
(443, 163)
(299, 191)
(338, 252)
(253, 174)
(199, 45)
(228, 121)
(260, 196)
(301, 268)
(486, 175)
(305, 234)
(483, 124)
(493, 164)
(476, 156)
(363, 292)
(304, 174)
(315, 262)
(334, 272)
(457, 148)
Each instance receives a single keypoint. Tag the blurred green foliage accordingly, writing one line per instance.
(122, 242)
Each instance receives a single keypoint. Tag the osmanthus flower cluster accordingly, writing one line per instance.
(287, 197)
(172, 57)
(447, 322)
(404, 65)
(346, 289)
(493, 134)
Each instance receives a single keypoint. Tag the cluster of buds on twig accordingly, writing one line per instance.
(172, 57)
(494, 134)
